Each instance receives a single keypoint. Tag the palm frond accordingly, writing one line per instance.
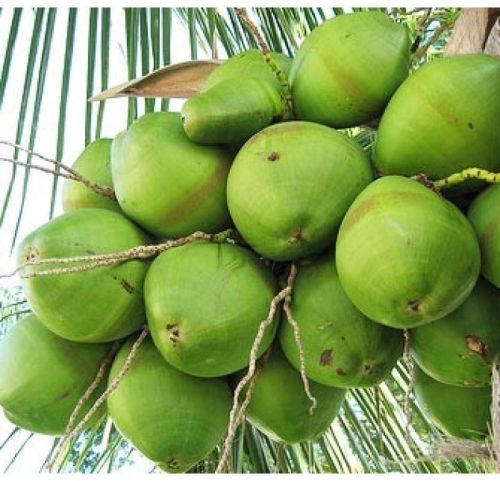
(9, 50)
(30, 67)
(63, 103)
(39, 95)
(105, 34)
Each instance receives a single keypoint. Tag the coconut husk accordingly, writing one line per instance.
(181, 80)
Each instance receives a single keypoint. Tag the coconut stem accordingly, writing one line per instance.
(68, 173)
(283, 81)
(472, 173)
(37, 167)
(95, 261)
(411, 384)
(237, 413)
(224, 462)
(287, 307)
(115, 382)
(93, 386)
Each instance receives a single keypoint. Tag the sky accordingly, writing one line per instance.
(37, 205)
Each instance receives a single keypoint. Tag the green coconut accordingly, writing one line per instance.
(347, 69)
(174, 419)
(237, 100)
(251, 63)
(443, 119)
(97, 305)
(94, 163)
(204, 303)
(290, 186)
(167, 184)
(484, 214)
(462, 412)
(341, 346)
(460, 348)
(232, 111)
(43, 377)
(406, 256)
(280, 408)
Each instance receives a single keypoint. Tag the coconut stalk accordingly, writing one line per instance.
(95, 261)
(67, 172)
(72, 431)
(237, 413)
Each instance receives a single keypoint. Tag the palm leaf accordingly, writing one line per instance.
(9, 50)
(30, 67)
(91, 62)
(105, 33)
(63, 104)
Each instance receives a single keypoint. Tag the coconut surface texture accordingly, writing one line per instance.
(443, 119)
(238, 99)
(462, 412)
(251, 63)
(280, 407)
(204, 303)
(460, 348)
(167, 184)
(406, 256)
(97, 305)
(94, 163)
(484, 214)
(290, 186)
(174, 419)
(43, 377)
(346, 70)
(341, 346)
(232, 111)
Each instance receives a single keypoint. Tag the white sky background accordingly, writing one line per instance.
(37, 206)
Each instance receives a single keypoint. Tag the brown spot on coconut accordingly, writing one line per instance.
(458, 348)
(81, 309)
(326, 358)
(221, 292)
(353, 342)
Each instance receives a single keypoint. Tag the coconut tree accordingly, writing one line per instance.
(56, 59)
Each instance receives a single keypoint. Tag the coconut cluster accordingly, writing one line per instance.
(378, 251)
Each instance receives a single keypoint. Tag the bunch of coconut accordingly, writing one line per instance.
(377, 251)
